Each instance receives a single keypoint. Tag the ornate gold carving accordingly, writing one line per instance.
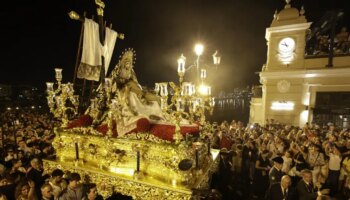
(112, 161)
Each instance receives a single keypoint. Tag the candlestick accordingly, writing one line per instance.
(197, 159)
(2, 138)
(209, 147)
(76, 151)
(138, 161)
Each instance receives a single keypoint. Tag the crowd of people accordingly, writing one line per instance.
(277, 161)
(274, 161)
(320, 44)
(26, 137)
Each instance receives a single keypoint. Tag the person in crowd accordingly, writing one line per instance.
(8, 186)
(28, 151)
(261, 178)
(305, 188)
(342, 41)
(315, 160)
(46, 192)
(334, 165)
(74, 190)
(216, 139)
(281, 191)
(249, 156)
(224, 172)
(2, 171)
(35, 173)
(17, 171)
(287, 161)
(300, 162)
(276, 172)
(346, 189)
(321, 183)
(57, 182)
(10, 155)
(90, 192)
(25, 190)
(345, 170)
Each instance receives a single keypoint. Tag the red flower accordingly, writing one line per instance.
(166, 132)
(84, 120)
(103, 128)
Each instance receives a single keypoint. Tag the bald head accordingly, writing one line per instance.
(286, 181)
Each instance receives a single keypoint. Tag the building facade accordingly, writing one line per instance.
(296, 86)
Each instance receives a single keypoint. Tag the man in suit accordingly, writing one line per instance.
(306, 189)
(276, 173)
(280, 191)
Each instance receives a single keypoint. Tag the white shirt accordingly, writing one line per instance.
(287, 162)
(334, 162)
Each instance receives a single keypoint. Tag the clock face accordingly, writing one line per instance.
(286, 45)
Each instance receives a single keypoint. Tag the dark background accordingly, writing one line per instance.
(38, 35)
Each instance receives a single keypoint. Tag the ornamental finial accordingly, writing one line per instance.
(275, 15)
(302, 11)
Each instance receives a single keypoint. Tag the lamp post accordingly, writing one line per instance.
(196, 97)
(189, 101)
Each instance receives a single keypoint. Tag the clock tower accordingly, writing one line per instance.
(294, 85)
(282, 93)
(286, 39)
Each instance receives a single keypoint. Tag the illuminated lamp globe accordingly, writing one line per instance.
(198, 48)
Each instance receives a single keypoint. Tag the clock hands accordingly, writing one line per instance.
(285, 44)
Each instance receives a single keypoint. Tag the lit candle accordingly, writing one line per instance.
(49, 86)
(58, 73)
(203, 73)
(137, 161)
(193, 90)
(156, 88)
(178, 104)
(76, 151)
(163, 89)
(212, 102)
(181, 65)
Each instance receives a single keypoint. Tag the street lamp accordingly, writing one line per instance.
(216, 59)
(198, 48)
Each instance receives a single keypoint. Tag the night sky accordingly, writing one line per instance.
(38, 35)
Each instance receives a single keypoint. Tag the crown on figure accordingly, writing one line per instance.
(128, 55)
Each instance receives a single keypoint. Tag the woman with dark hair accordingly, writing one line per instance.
(249, 156)
(25, 191)
(300, 163)
(261, 178)
(90, 192)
